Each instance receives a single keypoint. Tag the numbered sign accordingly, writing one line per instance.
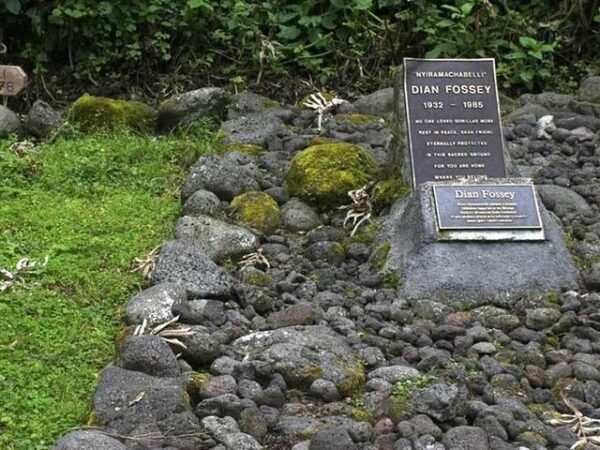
(12, 80)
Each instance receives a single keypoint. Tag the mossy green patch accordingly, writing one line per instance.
(318, 140)
(256, 277)
(386, 192)
(257, 210)
(358, 119)
(354, 379)
(323, 174)
(193, 385)
(379, 255)
(100, 113)
(246, 149)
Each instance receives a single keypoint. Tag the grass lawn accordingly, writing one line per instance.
(92, 204)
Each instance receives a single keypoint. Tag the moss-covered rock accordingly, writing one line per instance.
(379, 255)
(193, 385)
(246, 149)
(255, 277)
(257, 210)
(358, 119)
(386, 192)
(100, 113)
(323, 174)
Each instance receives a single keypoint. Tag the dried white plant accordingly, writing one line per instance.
(164, 331)
(256, 259)
(23, 267)
(361, 209)
(146, 264)
(321, 105)
(586, 428)
(21, 148)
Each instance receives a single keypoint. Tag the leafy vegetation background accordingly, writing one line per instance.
(149, 46)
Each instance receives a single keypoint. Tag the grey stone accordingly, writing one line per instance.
(589, 90)
(466, 438)
(562, 201)
(484, 348)
(218, 239)
(227, 176)
(190, 106)
(42, 119)
(219, 385)
(422, 424)
(440, 401)
(251, 389)
(155, 304)
(431, 310)
(541, 318)
(201, 348)
(332, 439)
(88, 440)
(253, 422)
(302, 354)
(125, 401)
(297, 216)
(202, 202)
(240, 441)
(393, 374)
(247, 102)
(222, 405)
(9, 122)
(324, 389)
(151, 355)
(299, 314)
(251, 129)
(379, 103)
(218, 426)
(330, 252)
(184, 263)
(201, 312)
(538, 111)
(472, 271)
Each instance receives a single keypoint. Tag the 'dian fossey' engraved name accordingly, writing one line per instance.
(485, 193)
(452, 89)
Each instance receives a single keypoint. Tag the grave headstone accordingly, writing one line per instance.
(453, 118)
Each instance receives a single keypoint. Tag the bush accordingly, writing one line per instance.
(537, 44)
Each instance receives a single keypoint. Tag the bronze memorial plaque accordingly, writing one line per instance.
(12, 80)
(453, 116)
(486, 206)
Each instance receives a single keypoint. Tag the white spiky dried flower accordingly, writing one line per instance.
(321, 105)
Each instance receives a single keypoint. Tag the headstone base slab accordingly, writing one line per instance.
(471, 271)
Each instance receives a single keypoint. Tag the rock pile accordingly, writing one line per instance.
(309, 347)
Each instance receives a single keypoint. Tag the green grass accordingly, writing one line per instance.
(92, 204)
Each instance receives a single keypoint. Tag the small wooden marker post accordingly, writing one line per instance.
(12, 81)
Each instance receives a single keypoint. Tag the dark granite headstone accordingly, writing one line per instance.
(453, 116)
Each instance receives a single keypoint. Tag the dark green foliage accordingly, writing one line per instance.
(537, 44)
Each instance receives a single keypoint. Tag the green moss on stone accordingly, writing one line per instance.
(323, 174)
(386, 192)
(379, 255)
(101, 113)
(256, 277)
(354, 379)
(392, 280)
(358, 119)
(247, 149)
(257, 210)
(318, 140)
(194, 384)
